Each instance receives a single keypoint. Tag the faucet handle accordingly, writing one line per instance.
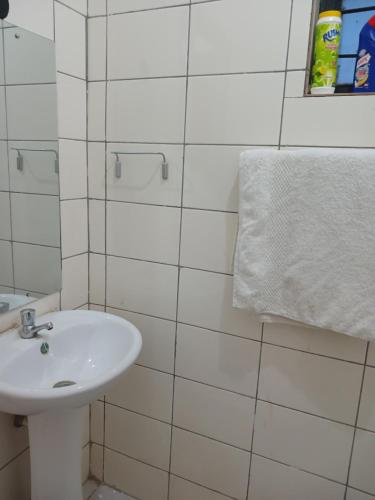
(28, 317)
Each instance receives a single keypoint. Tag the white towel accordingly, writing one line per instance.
(306, 240)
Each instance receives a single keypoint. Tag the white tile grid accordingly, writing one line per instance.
(311, 478)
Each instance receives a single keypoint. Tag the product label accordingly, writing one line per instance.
(362, 70)
(327, 44)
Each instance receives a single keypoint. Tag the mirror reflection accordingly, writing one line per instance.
(30, 256)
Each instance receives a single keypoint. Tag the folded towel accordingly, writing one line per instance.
(306, 242)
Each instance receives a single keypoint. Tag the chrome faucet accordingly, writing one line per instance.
(28, 329)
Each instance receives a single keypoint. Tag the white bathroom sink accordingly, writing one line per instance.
(88, 348)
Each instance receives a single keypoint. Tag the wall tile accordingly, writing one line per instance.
(211, 177)
(366, 417)
(318, 132)
(371, 354)
(154, 109)
(158, 337)
(205, 300)
(217, 359)
(71, 107)
(143, 232)
(97, 422)
(357, 495)
(135, 478)
(5, 216)
(150, 43)
(299, 34)
(85, 464)
(74, 232)
(3, 125)
(34, 219)
(96, 111)
(310, 383)
(208, 240)
(141, 181)
(31, 112)
(4, 177)
(97, 226)
(316, 341)
(144, 391)
(207, 411)
(221, 41)
(96, 169)
(30, 263)
(75, 282)
(295, 83)
(6, 271)
(97, 46)
(132, 5)
(97, 278)
(13, 440)
(284, 435)
(15, 479)
(73, 169)
(185, 490)
(96, 7)
(70, 32)
(235, 109)
(361, 471)
(151, 288)
(96, 461)
(139, 437)
(1, 62)
(209, 463)
(271, 480)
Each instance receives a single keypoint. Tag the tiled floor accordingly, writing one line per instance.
(92, 492)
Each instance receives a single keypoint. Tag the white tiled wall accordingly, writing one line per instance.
(217, 407)
(28, 203)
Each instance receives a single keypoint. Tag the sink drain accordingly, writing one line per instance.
(63, 383)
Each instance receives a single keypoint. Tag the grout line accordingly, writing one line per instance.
(179, 244)
(13, 459)
(105, 210)
(200, 327)
(254, 415)
(356, 422)
(70, 8)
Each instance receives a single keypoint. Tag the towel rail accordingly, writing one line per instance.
(118, 165)
(20, 156)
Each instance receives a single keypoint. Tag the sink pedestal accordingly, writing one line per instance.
(56, 451)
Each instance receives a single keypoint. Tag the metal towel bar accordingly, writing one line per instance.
(20, 156)
(118, 165)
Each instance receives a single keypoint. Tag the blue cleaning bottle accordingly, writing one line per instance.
(364, 73)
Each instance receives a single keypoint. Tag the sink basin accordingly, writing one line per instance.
(88, 348)
(51, 378)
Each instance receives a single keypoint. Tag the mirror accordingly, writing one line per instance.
(30, 254)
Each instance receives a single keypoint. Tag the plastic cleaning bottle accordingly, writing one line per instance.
(326, 52)
(364, 74)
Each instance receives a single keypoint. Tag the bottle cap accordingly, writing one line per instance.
(371, 22)
(330, 13)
